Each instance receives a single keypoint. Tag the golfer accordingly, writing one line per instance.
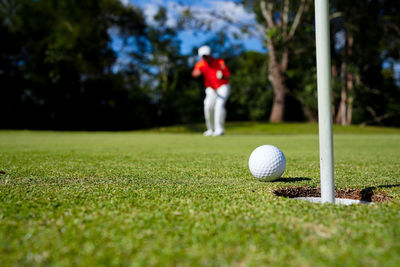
(216, 81)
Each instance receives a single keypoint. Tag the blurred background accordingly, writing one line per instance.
(126, 64)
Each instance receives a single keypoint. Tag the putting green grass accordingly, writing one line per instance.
(181, 199)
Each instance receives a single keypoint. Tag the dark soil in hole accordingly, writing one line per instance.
(366, 194)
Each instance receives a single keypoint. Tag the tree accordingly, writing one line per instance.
(365, 36)
(280, 21)
(56, 68)
(251, 91)
(176, 95)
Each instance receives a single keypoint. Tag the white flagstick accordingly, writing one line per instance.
(324, 100)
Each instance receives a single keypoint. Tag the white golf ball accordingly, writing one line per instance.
(267, 163)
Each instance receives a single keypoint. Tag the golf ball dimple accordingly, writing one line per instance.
(267, 163)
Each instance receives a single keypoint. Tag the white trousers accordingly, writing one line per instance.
(214, 108)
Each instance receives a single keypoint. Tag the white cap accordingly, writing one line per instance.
(204, 51)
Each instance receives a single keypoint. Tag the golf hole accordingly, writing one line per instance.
(342, 196)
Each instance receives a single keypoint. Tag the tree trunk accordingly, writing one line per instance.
(277, 79)
(341, 113)
(344, 114)
(277, 67)
(309, 114)
(349, 108)
(334, 72)
(350, 81)
(280, 91)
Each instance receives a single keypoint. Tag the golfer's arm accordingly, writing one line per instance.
(225, 71)
(196, 73)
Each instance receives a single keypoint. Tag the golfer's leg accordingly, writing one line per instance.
(220, 112)
(209, 103)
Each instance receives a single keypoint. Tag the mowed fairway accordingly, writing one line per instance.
(181, 199)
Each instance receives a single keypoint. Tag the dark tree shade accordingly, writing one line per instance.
(56, 66)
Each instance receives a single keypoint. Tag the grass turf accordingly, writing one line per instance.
(149, 198)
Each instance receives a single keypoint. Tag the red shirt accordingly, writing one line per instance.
(209, 71)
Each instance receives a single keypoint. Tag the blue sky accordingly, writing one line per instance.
(202, 9)
(191, 38)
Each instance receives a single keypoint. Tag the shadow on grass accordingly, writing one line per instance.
(292, 180)
(368, 192)
(196, 128)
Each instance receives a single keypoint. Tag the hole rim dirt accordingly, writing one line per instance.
(365, 195)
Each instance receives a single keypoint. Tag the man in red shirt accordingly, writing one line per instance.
(216, 80)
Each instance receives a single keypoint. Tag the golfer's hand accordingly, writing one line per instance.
(219, 75)
(196, 73)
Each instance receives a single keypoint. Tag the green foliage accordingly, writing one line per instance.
(371, 24)
(373, 27)
(57, 67)
(128, 198)
(59, 58)
(251, 93)
(178, 96)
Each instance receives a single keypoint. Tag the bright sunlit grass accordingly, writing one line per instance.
(149, 198)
